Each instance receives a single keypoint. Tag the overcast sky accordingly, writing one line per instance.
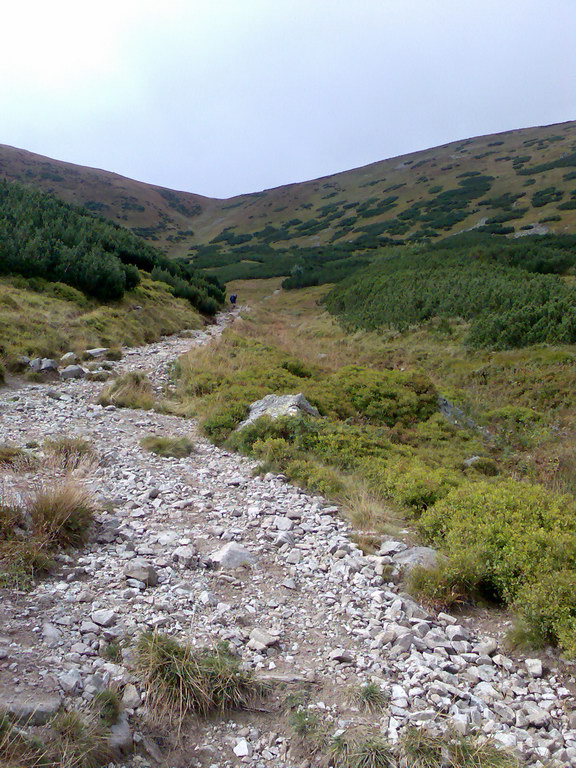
(221, 97)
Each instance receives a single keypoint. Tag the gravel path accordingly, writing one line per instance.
(310, 611)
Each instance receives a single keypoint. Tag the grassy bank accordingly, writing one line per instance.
(55, 318)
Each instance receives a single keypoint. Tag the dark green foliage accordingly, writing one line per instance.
(545, 196)
(494, 287)
(44, 238)
(562, 162)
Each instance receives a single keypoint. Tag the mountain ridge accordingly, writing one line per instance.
(384, 199)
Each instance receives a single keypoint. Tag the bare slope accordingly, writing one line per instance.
(518, 180)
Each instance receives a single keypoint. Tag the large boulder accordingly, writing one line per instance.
(232, 555)
(410, 558)
(276, 406)
(73, 372)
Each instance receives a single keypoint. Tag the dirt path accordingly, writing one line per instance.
(329, 620)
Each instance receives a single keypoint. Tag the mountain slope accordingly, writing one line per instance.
(520, 181)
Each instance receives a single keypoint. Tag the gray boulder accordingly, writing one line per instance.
(69, 358)
(73, 372)
(97, 352)
(31, 709)
(410, 558)
(141, 571)
(276, 406)
(232, 555)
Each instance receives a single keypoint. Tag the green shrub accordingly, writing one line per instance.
(168, 447)
(518, 531)
(408, 481)
(547, 607)
(315, 477)
(108, 706)
(304, 722)
(220, 424)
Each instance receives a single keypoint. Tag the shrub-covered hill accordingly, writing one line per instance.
(42, 237)
(513, 293)
(513, 183)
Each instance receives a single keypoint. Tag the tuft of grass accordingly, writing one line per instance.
(79, 742)
(422, 749)
(10, 454)
(62, 516)
(22, 561)
(112, 651)
(372, 753)
(304, 722)
(371, 697)
(181, 680)
(19, 749)
(108, 706)
(70, 452)
(132, 390)
(168, 447)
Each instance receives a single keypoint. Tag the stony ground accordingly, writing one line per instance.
(310, 611)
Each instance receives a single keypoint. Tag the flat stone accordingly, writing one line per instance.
(32, 708)
(142, 571)
(104, 617)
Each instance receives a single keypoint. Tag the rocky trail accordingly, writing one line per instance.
(293, 595)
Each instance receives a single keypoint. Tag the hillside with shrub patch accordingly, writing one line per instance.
(509, 184)
(512, 293)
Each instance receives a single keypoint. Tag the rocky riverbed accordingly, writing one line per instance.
(293, 595)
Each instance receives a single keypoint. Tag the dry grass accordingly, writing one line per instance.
(31, 532)
(69, 453)
(132, 390)
(422, 749)
(62, 515)
(181, 681)
(366, 512)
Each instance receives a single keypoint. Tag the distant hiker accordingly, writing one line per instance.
(233, 299)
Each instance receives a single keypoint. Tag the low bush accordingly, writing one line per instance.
(220, 424)
(519, 531)
(408, 481)
(315, 477)
(181, 680)
(132, 390)
(168, 447)
(547, 609)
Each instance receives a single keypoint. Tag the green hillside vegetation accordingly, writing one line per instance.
(509, 184)
(512, 293)
(42, 237)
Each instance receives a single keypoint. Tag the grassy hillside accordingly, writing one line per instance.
(38, 318)
(418, 431)
(513, 183)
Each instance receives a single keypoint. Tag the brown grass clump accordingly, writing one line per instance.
(62, 515)
(181, 680)
(132, 390)
(168, 447)
(55, 518)
(69, 452)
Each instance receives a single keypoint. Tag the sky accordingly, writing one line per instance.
(221, 97)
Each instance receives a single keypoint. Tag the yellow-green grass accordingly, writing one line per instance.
(60, 319)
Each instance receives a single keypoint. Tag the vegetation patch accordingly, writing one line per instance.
(181, 680)
(168, 447)
(55, 518)
(132, 390)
